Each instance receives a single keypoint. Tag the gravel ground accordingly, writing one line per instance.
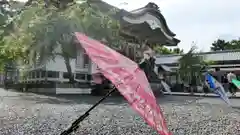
(30, 114)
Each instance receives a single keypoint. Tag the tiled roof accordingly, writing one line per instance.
(223, 56)
(167, 59)
(213, 56)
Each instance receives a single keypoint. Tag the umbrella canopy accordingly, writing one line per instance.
(217, 88)
(128, 78)
(236, 83)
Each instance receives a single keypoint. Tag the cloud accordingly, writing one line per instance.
(203, 21)
(204, 11)
(200, 21)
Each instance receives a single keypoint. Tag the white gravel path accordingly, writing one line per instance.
(42, 115)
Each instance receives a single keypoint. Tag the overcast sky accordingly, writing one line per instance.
(201, 21)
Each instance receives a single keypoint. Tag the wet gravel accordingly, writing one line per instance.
(42, 115)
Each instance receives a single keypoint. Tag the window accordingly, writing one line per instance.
(217, 69)
(65, 75)
(80, 76)
(38, 74)
(29, 75)
(85, 60)
(78, 61)
(43, 74)
(89, 77)
(53, 74)
(33, 74)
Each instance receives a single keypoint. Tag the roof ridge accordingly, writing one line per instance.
(210, 52)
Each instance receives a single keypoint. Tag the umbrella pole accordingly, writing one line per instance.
(75, 124)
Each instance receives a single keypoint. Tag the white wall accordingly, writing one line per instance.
(94, 68)
(58, 64)
(77, 65)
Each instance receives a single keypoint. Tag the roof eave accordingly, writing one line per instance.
(148, 9)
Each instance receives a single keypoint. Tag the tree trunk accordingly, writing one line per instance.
(69, 69)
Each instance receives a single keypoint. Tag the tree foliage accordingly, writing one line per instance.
(220, 45)
(191, 65)
(8, 10)
(164, 50)
(42, 31)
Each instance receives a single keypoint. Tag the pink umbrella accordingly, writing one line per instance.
(128, 78)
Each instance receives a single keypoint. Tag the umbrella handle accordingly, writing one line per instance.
(75, 124)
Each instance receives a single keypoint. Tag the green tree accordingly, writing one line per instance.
(164, 50)
(177, 51)
(235, 44)
(190, 65)
(42, 29)
(8, 10)
(220, 45)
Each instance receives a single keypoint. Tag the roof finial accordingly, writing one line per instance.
(152, 5)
